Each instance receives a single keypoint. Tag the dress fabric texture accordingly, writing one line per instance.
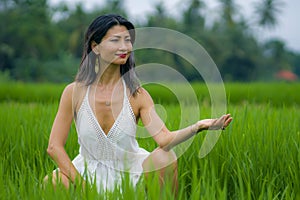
(102, 158)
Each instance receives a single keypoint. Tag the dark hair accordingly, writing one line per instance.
(95, 32)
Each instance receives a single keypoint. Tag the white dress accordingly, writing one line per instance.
(102, 158)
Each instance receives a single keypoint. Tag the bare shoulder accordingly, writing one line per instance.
(73, 95)
(140, 101)
(67, 95)
(68, 91)
(143, 93)
(142, 98)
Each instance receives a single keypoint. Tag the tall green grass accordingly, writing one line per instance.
(257, 157)
(277, 94)
(30, 92)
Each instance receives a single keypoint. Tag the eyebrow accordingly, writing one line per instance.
(118, 36)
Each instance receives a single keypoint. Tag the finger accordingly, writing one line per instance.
(227, 116)
(227, 122)
(224, 119)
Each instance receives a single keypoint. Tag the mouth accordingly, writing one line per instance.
(123, 55)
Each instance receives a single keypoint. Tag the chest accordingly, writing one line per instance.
(108, 106)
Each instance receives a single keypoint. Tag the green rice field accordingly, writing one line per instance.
(256, 157)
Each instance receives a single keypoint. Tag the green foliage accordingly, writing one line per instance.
(237, 93)
(60, 70)
(21, 92)
(267, 11)
(5, 77)
(256, 157)
(276, 94)
(37, 39)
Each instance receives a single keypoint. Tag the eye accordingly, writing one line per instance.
(114, 40)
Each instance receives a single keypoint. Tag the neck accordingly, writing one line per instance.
(110, 75)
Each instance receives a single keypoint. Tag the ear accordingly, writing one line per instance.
(95, 48)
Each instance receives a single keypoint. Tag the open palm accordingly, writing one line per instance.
(215, 124)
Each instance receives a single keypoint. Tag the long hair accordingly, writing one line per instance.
(95, 32)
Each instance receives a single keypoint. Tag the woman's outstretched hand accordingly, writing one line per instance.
(213, 124)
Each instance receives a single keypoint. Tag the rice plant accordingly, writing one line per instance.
(257, 157)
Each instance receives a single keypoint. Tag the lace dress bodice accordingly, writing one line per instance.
(105, 158)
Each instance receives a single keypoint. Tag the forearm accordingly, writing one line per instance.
(59, 155)
(181, 135)
(176, 137)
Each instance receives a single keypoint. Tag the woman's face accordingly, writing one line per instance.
(115, 47)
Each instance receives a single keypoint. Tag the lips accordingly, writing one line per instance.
(122, 55)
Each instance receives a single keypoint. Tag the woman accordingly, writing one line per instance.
(106, 102)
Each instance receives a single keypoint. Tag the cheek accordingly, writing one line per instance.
(107, 52)
(108, 48)
(129, 47)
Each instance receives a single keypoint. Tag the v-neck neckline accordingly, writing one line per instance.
(116, 120)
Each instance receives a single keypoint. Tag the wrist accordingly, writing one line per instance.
(194, 129)
(198, 127)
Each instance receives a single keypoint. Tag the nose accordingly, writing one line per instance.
(123, 46)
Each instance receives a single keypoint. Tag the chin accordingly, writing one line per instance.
(120, 62)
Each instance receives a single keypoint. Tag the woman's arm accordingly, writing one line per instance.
(205, 124)
(165, 138)
(59, 135)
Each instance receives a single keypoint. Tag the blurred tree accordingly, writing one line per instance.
(229, 10)
(295, 58)
(72, 30)
(276, 53)
(193, 19)
(237, 49)
(6, 57)
(27, 33)
(77, 21)
(160, 18)
(240, 51)
(42, 43)
(267, 11)
(192, 24)
(114, 6)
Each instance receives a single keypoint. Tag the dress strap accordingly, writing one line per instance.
(124, 86)
(124, 91)
(87, 91)
(126, 103)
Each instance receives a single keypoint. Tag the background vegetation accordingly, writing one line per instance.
(44, 44)
(257, 157)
